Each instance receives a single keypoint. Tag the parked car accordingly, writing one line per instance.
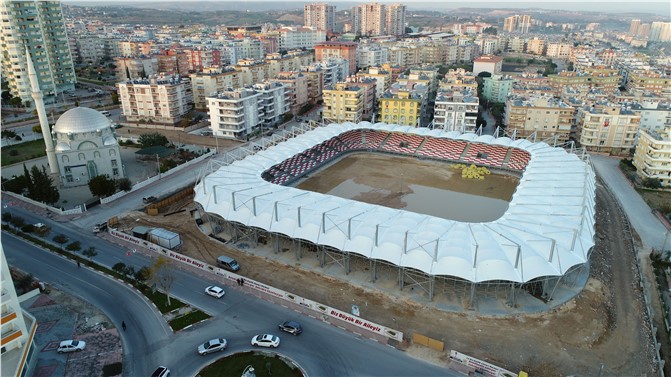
(161, 372)
(214, 291)
(99, 227)
(214, 345)
(71, 346)
(149, 199)
(292, 327)
(39, 226)
(266, 340)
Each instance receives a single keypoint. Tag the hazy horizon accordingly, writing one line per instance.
(659, 8)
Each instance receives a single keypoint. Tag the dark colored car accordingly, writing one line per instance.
(292, 327)
(149, 199)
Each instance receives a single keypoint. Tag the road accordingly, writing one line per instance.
(647, 225)
(321, 350)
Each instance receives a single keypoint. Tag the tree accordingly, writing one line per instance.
(490, 30)
(8, 134)
(16, 102)
(74, 246)
(124, 184)
(42, 187)
(37, 129)
(102, 186)
(115, 98)
(27, 103)
(17, 221)
(161, 275)
(61, 239)
(90, 253)
(119, 267)
(142, 275)
(152, 140)
(653, 183)
(6, 217)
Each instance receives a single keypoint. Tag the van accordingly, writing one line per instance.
(105, 113)
(228, 263)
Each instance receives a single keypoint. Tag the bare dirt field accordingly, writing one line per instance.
(605, 324)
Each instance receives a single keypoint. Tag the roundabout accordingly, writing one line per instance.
(262, 363)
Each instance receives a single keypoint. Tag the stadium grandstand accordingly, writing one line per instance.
(542, 242)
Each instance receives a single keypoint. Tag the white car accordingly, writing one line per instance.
(214, 291)
(214, 345)
(266, 340)
(71, 346)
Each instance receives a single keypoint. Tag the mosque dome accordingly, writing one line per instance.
(81, 119)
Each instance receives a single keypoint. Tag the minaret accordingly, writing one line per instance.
(42, 114)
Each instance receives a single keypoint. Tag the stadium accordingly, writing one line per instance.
(541, 243)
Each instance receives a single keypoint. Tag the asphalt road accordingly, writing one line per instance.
(647, 225)
(321, 350)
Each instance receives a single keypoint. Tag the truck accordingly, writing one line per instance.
(99, 227)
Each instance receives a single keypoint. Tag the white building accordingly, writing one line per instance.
(19, 355)
(456, 110)
(653, 155)
(655, 116)
(335, 70)
(239, 113)
(303, 37)
(371, 56)
(86, 147)
(157, 100)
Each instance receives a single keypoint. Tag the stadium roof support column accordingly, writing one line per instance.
(512, 298)
(373, 270)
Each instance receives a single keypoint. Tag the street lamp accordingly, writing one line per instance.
(666, 240)
(158, 165)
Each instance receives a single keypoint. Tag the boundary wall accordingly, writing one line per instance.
(312, 308)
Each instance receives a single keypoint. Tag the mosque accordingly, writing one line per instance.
(86, 145)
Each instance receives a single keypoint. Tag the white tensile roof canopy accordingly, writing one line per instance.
(547, 229)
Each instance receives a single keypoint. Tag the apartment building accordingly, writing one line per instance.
(131, 68)
(134, 48)
(210, 81)
(369, 19)
(159, 99)
(536, 46)
(459, 79)
(240, 113)
(456, 110)
(200, 58)
(300, 37)
(315, 78)
(655, 115)
(488, 63)
(545, 116)
(37, 27)
(395, 19)
(291, 61)
(86, 48)
(558, 50)
(320, 16)
(19, 354)
(296, 86)
(343, 102)
(517, 24)
(497, 88)
(608, 129)
(607, 81)
(382, 77)
(369, 98)
(652, 158)
(333, 70)
(401, 107)
(371, 55)
(648, 81)
(344, 50)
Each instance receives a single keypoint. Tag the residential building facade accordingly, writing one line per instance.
(343, 102)
(320, 16)
(546, 117)
(652, 158)
(37, 27)
(607, 129)
(163, 100)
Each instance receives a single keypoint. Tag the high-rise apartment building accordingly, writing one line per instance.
(660, 32)
(369, 19)
(517, 24)
(633, 26)
(36, 26)
(320, 16)
(395, 18)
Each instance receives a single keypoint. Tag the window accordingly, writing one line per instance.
(114, 163)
